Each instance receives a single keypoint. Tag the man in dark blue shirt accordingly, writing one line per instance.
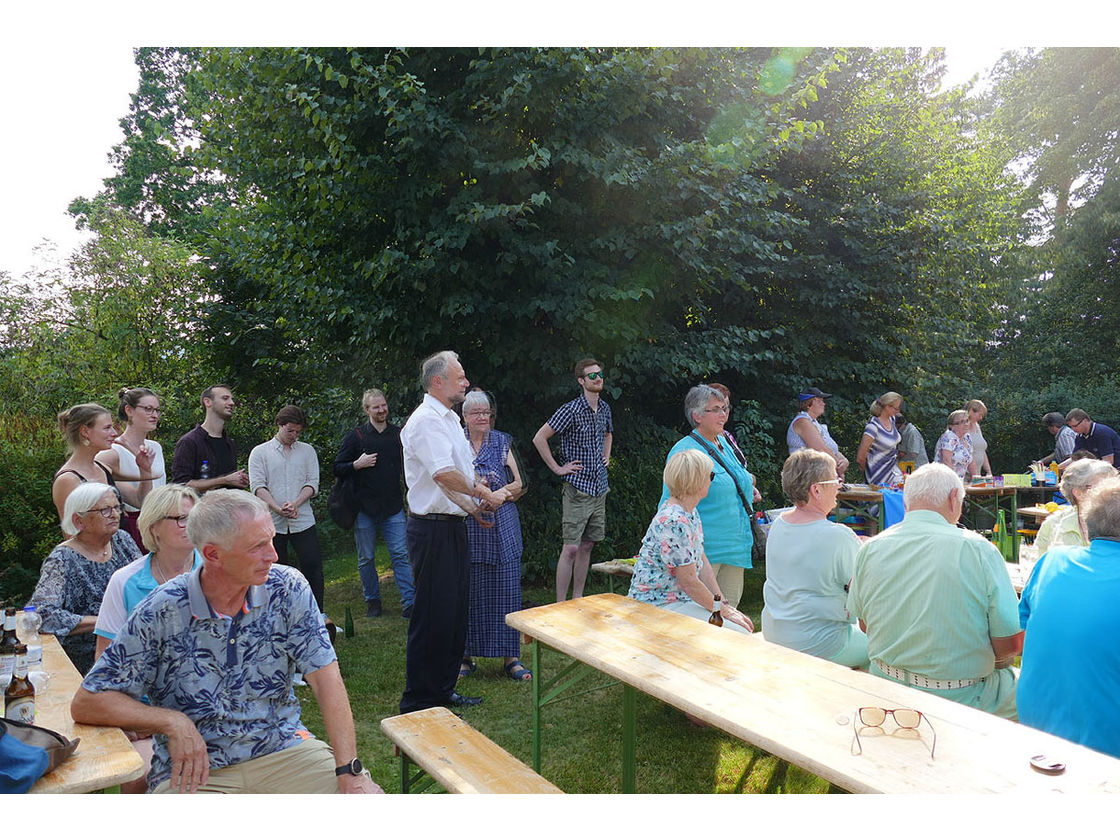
(1098, 438)
(586, 433)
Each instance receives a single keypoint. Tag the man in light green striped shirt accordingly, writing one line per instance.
(937, 603)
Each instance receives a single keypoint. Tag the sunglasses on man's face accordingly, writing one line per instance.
(593, 375)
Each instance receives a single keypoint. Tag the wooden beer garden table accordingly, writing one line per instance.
(862, 497)
(104, 758)
(792, 705)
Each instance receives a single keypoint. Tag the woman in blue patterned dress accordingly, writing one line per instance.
(495, 551)
(672, 571)
(878, 449)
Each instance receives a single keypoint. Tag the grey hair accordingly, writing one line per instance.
(697, 400)
(436, 365)
(1080, 474)
(80, 501)
(220, 515)
(802, 470)
(1101, 510)
(929, 486)
(475, 398)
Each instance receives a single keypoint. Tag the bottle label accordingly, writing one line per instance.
(34, 658)
(21, 710)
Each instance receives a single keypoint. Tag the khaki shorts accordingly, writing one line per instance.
(584, 518)
(306, 767)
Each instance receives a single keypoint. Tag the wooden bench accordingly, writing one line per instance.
(615, 569)
(456, 756)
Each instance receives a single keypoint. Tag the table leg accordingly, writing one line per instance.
(536, 690)
(629, 711)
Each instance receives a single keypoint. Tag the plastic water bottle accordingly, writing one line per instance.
(204, 472)
(27, 628)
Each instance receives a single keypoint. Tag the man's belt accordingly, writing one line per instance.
(438, 517)
(910, 678)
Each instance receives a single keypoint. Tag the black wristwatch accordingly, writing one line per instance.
(354, 768)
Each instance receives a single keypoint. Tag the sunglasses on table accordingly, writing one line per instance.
(874, 717)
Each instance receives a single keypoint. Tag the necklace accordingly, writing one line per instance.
(89, 553)
(161, 577)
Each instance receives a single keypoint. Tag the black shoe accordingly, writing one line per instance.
(407, 612)
(373, 608)
(457, 699)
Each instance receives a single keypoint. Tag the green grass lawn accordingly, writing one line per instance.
(582, 750)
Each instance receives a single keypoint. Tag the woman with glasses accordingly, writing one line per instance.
(726, 509)
(163, 522)
(878, 448)
(495, 589)
(672, 570)
(74, 575)
(138, 409)
(809, 562)
(89, 431)
(954, 447)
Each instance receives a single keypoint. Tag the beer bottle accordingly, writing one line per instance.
(715, 618)
(8, 642)
(19, 697)
(348, 627)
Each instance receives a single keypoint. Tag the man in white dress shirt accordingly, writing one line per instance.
(442, 492)
(284, 473)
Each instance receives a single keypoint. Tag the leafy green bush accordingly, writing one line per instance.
(30, 452)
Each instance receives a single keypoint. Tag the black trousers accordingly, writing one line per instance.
(306, 545)
(437, 631)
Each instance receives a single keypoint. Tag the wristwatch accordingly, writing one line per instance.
(354, 768)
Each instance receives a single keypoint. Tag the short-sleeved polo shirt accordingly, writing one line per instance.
(127, 588)
(231, 675)
(1102, 440)
(933, 596)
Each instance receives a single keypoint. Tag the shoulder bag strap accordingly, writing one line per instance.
(716, 457)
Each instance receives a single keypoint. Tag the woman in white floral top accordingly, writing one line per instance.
(671, 571)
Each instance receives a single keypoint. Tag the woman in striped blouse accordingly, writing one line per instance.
(878, 449)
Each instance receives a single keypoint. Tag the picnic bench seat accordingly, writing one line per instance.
(456, 756)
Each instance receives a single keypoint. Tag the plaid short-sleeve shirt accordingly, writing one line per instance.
(583, 432)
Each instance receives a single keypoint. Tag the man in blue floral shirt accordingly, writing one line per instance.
(586, 433)
(214, 652)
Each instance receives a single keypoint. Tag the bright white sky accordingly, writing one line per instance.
(67, 70)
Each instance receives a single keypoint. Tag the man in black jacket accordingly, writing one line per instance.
(371, 457)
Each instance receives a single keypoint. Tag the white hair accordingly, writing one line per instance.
(220, 515)
(80, 501)
(929, 486)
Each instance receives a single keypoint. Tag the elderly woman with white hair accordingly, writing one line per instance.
(809, 561)
(495, 548)
(726, 509)
(672, 570)
(1064, 526)
(74, 575)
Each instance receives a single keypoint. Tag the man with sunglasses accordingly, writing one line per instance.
(936, 601)
(585, 430)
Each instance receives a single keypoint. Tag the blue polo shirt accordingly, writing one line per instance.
(1102, 440)
(231, 675)
(1069, 684)
(127, 588)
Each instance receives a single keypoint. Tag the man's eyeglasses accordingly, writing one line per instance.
(107, 512)
(181, 521)
(874, 717)
(712, 476)
(595, 374)
(829, 481)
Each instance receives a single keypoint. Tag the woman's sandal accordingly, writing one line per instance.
(466, 668)
(518, 672)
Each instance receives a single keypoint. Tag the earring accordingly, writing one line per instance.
(85, 441)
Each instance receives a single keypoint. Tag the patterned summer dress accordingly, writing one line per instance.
(882, 458)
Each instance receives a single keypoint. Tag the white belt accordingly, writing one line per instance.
(918, 680)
